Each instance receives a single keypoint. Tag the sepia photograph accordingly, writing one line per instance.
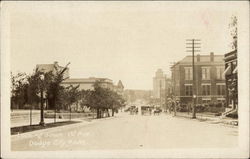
(124, 79)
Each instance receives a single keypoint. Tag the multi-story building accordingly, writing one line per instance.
(159, 83)
(88, 83)
(209, 79)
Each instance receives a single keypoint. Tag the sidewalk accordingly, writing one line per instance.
(210, 118)
(22, 118)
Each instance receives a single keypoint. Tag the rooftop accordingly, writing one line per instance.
(203, 58)
(86, 80)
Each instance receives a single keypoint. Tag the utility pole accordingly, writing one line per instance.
(194, 45)
(173, 94)
(160, 95)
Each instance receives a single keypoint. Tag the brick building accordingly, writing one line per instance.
(210, 80)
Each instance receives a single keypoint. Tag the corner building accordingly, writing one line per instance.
(210, 80)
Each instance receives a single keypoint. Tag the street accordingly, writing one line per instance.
(126, 131)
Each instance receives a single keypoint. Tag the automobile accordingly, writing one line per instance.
(146, 110)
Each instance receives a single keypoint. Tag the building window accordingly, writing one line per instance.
(219, 72)
(205, 73)
(188, 73)
(221, 88)
(206, 101)
(206, 89)
(188, 90)
(221, 100)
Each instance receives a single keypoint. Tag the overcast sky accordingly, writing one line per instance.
(125, 41)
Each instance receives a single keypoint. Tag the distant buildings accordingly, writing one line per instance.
(159, 82)
(133, 96)
(88, 84)
(84, 83)
(161, 88)
(210, 80)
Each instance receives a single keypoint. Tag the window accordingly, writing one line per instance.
(188, 73)
(206, 101)
(206, 89)
(205, 73)
(221, 89)
(221, 100)
(188, 90)
(219, 72)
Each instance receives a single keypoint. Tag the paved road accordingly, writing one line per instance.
(130, 132)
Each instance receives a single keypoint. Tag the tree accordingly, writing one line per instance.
(19, 87)
(233, 32)
(69, 96)
(55, 88)
(83, 100)
(36, 84)
(103, 99)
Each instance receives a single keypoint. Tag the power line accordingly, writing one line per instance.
(192, 46)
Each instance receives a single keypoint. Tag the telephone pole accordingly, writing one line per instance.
(173, 94)
(192, 46)
(160, 95)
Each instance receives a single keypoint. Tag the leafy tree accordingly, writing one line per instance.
(103, 99)
(55, 88)
(36, 85)
(84, 98)
(233, 32)
(69, 96)
(19, 87)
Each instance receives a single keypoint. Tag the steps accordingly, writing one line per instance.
(228, 112)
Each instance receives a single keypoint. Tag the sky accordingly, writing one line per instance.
(125, 41)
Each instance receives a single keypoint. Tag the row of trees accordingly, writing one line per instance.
(27, 90)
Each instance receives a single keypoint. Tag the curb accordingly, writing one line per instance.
(35, 132)
(218, 120)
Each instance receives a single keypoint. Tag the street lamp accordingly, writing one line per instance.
(42, 108)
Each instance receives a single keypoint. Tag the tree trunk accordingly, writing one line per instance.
(103, 111)
(108, 112)
(97, 113)
(113, 112)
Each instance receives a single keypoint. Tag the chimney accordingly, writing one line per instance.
(198, 57)
(211, 57)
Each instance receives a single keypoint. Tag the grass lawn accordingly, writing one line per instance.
(28, 128)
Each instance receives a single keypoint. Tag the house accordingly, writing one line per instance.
(54, 68)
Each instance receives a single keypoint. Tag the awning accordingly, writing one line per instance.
(226, 70)
(235, 70)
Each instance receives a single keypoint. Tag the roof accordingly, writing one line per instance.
(203, 58)
(86, 80)
(45, 67)
(48, 67)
